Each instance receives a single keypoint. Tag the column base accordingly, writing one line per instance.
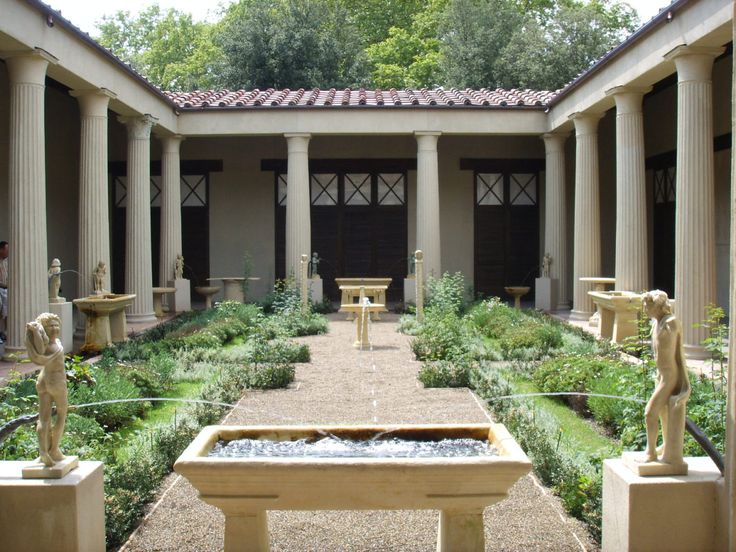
(138, 318)
(696, 352)
(580, 315)
(13, 354)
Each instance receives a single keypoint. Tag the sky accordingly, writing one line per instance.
(84, 13)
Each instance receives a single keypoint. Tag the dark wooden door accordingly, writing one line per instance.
(663, 256)
(506, 229)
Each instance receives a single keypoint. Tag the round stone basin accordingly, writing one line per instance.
(104, 304)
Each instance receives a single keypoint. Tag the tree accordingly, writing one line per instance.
(290, 44)
(540, 44)
(375, 18)
(169, 48)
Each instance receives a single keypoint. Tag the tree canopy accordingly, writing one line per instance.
(540, 44)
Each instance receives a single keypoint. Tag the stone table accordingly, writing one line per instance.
(618, 313)
(105, 322)
(599, 284)
(234, 287)
(377, 293)
(158, 295)
(207, 292)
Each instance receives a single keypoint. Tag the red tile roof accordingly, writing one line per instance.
(438, 97)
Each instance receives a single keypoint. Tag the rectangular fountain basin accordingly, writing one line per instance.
(354, 483)
(461, 487)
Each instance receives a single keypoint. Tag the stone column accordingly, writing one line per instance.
(298, 203)
(695, 245)
(27, 265)
(94, 223)
(587, 242)
(555, 214)
(138, 272)
(632, 257)
(728, 497)
(170, 207)
(428, 202)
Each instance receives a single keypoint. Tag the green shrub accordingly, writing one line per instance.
(442, 336)
(110, 385)
(408, 325)
(530, 340)
(270, 376)
(493, 318)
(447, 293)
(571, 373)
(445, 373)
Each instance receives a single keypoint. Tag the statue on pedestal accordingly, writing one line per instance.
(672, 390)
(99, 278)
(54, 275)
(314, 266)
(546, 263)
(44, 348)
(179, 267)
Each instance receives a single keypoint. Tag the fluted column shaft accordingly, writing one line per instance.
(27, 282)
(632, 256)
(298, 203)
(170, 208)
(555, 217)
(695, 248)
(94, 223)
(428, 202)
(728, 497)
(138, 272)
(587, 243)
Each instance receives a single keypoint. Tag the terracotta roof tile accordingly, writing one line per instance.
(438, 97)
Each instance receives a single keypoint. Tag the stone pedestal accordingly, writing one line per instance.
(315, 290)
(673, 513)
(63, 515)
(410, 291)
(545, 293)
(181, 300)
(65, 313)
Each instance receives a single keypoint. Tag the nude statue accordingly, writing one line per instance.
(99, 278)
(672, 390)
(179, 267)
(44, 348)
(546, 262)
(54, 275)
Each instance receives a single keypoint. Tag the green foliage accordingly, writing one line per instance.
(289, 318)
(109, 384)
(441, 336)
(290, 44)
(446, 373)
(493, 318)
(530, 340)
(169, 48)
(408, 325)
(447, 293)
(270, 376)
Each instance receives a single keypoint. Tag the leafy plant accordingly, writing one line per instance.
(447, 293)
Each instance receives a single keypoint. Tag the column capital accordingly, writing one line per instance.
(28, 66)
(554, 141)
(427, 139)
(628, 98)
(693, 63)
(585, 123)
(297, 142)
(171, 143)
(93, 102)
(139, 127)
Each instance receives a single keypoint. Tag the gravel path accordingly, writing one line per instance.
(343, 385)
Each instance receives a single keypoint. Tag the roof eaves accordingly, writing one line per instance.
(661, 18)
(57, 17)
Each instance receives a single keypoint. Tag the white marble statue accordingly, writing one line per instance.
(54, 275)
(99, 278)
(44, 348)
(546, 262)
(672, 389)
(179, 267)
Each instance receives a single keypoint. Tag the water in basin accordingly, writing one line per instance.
(334, 447)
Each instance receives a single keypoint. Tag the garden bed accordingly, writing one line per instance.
(207, 356)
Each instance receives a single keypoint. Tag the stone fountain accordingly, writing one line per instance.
(105, 319)
(245, 488)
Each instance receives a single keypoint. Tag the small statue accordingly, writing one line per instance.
(55, 282)
(546, 262)
(412, 265)
(314, 266)
(672, 389)
(99, 278)
(179, 267)
(44, 348)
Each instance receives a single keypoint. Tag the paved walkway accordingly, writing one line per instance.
(343, 385)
